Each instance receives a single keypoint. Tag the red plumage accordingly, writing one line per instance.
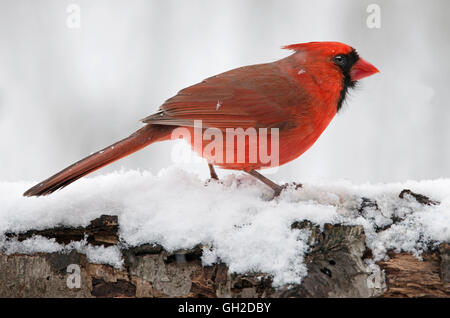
(299, 95)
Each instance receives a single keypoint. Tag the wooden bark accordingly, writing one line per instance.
(408, 276)
(336, 268)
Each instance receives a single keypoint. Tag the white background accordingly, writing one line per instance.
(65, 93)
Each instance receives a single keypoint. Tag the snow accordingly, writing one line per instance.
(110, 255)
(235, 219)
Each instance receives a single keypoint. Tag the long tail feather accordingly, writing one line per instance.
(138, 140)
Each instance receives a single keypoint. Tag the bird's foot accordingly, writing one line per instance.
(279, 188)
(213, 180)
(212, 172)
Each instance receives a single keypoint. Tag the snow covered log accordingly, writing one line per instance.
(337, 265)
(176, 234)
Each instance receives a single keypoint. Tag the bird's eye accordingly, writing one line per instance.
(340, 60)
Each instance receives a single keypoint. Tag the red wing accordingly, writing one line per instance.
(252, 96)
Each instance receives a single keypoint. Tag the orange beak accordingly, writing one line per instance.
(362, 69)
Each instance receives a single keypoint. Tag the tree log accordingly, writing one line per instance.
(337, 267)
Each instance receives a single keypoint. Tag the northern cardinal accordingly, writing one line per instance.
(298, 95)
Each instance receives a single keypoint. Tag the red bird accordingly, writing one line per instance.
(297, 95)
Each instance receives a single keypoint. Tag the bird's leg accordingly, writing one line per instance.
(212, 172)
(275, 187)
